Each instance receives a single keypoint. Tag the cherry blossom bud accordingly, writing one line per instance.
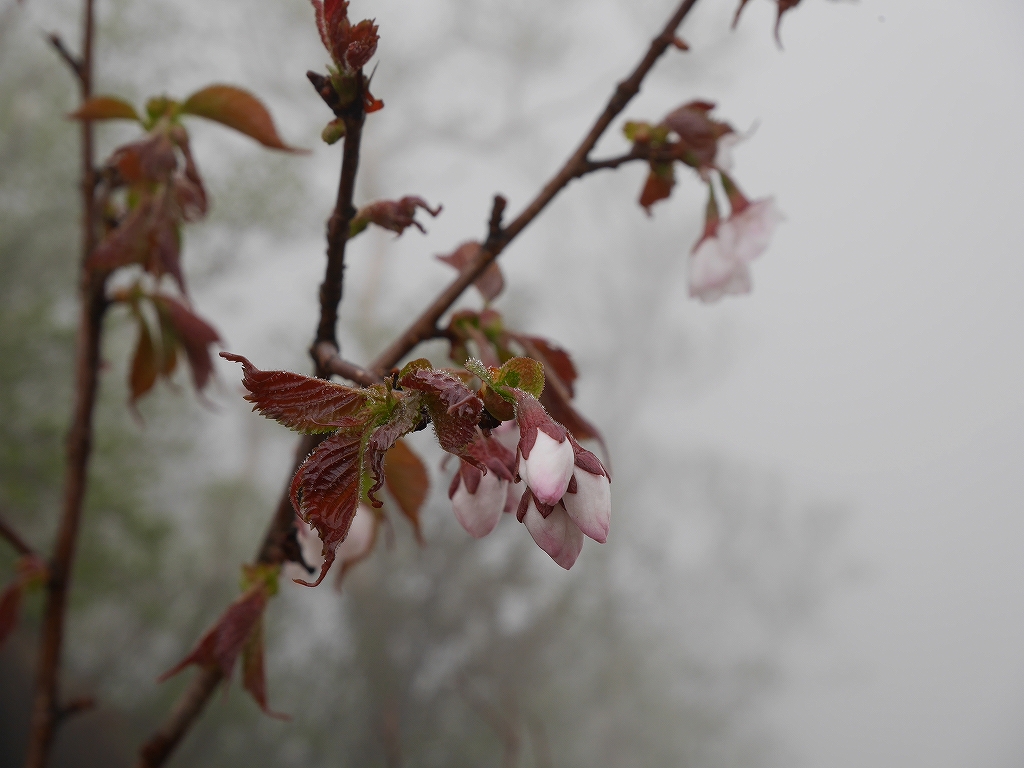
(478, 499)
(546, 454)
(556, 533)
(588, 499)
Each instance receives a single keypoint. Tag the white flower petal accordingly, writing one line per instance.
(549, 468)
(714, 272)
(590, 508)
(557, 534)
(479, 512)
(748, 233)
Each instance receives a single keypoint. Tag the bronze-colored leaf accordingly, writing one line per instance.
(490, 283)
(105, 108)
(555, 359)
(325, 492)
(237, 109)
(195, 334)
(254, 678)
(403, 420)
(407, 481)
(223, 642)
(454, 408)
(144, 363)
(298, 402)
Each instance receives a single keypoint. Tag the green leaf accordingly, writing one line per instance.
(521, 373)
(236, 109)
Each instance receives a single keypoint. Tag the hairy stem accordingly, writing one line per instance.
(46, 708)
(424, 327)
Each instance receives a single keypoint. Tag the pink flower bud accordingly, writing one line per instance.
(588, 499)
(546, 455)
(556, 534)
(477, 499)
(548, 468)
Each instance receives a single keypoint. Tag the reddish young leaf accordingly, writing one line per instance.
(144, 363)
(490, 283)
(325, 492)
(165, 247)
(223, 642)
(488, 453)
(151, 159)
(126, 243)
(105, 108)
(698, 133)
(10, 606)
(189, 192)
(393, 215)
(454, 409)
(253, 676)
(236, 109)
(298, 402)
(196, 336)
(660, 182)
(407, 481)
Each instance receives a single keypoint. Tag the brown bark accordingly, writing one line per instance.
(46, 708)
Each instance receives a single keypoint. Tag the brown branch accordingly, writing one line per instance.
(279, 544)
(278, 541)
(21, 546)
(76, 66)
(424, 327)
(327, 359)
(46, 709)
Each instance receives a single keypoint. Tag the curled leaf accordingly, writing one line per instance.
(194, 334)
(237, 109)
(325, 492)
(393, 215)
(403, 419)
(298, 402)
(454, 408)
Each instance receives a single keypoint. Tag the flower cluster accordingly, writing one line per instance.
(719, 262)
(559, 490)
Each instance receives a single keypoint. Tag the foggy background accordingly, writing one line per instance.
(815, 556)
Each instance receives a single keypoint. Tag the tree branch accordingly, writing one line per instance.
(46, 709)
(76, 66)
(424, 327)
(279, 543)
(21, 546)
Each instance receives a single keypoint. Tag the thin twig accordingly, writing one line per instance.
(92, 289)
(21, 546)
(328, 359)
(73, 63)
(424, 327)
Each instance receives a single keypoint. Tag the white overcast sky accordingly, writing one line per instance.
(879, 362)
